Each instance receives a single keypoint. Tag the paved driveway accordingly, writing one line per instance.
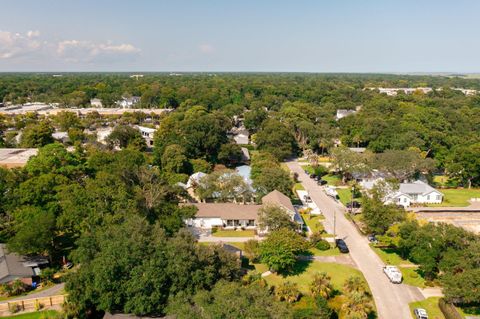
(391, 300)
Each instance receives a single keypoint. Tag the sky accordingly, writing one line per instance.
(390, 36)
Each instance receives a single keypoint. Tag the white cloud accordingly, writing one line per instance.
(13, 45)
(87, 51)
(206, 48)
(29, 45)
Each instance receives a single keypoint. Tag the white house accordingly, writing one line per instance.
(96, 103)
(147, 134)
(417, 192)
(128, 102)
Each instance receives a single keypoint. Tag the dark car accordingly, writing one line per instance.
(322, 182)
(353, 204)
(313, 175)
(371, 238)
(342, 246)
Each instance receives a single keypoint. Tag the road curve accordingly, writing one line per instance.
(391, 300)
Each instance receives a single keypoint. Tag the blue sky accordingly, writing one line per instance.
(242, 35)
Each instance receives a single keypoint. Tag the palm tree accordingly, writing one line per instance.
(355, 284)
(321, 286)
(288, 292)
(357, 305)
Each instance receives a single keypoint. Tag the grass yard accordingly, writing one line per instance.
(440, 180)
(234, 233)
(238, 245)
(306, 271)
(412, 277)
(330, 252)
(345, 195)
(390, 256)
(334, 180)
(35, 315)
(457, 197)
(298, 187)
(314, 222)
(430, 305)
(260, 268)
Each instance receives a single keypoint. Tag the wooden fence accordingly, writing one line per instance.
(9, 307)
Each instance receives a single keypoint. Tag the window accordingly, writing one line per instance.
(428, 197)
(439, 197)
(230, 222)
(251, 222)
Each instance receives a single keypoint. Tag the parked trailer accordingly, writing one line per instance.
(393, 274)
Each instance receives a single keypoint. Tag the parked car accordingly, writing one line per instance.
(321, 182)
(313, 175)
(307, 199)
(420, 313)
(371, 238)
(342, 246)
(330, 191)
(353, 204)
(393, 274)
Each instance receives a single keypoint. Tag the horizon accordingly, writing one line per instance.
(267, 37)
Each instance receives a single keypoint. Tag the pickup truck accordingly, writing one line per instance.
(393, 274)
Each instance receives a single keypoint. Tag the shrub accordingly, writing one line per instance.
(323, 245)
(252, 250)
(17, 287)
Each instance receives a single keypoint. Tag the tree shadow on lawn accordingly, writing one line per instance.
(299, 268)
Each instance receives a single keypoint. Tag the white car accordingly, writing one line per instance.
(420, 313)
(393, 274)
(330, 191)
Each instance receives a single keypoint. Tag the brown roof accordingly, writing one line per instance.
(227, 210)
(277, 198)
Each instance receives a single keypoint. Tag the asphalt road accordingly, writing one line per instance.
(391, 299)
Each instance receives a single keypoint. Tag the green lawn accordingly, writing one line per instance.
(331, 179)
(440, 180)
(314, 222)
(458, 197)
(260, 268)
(308, 168)
(234, 233)
(330, 252)
(298, 187)
(390, 257)
(338, 273)
(34, 315)
(238, 245)
(412, 277)
(430, 305)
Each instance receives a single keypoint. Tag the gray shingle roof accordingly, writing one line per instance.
(13, 266)
(417, 187)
